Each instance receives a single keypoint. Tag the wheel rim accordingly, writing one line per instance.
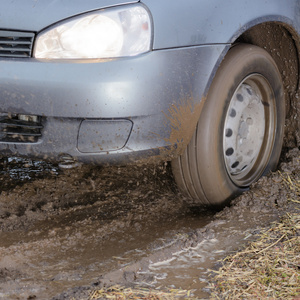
(249, 129)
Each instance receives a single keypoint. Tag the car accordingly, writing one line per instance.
(202, 84)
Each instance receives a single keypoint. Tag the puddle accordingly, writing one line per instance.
(191, 267)
(68, 256)
(64, 235)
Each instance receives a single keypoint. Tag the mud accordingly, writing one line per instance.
(64, 234)
(283, 45)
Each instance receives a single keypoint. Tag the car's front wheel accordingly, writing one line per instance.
(240, 131)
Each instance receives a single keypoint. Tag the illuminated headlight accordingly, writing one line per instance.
(108, 33)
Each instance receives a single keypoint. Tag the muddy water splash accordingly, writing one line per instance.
(70, 233)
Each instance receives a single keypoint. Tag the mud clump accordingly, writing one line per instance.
(113, 192)
(66, 234)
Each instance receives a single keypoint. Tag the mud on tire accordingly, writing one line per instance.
(239, 135)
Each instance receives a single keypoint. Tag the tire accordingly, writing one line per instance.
(239, 135)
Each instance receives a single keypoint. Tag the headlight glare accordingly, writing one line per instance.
(113, 32)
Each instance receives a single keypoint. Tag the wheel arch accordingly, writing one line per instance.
(283, 43)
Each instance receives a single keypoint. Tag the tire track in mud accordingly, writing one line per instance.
(65, 233)
(88, 213)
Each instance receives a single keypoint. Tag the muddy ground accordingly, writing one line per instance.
(66, 233)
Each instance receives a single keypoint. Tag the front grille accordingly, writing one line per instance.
(20, 129)
(15, 43)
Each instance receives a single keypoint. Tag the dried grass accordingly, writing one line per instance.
(118, 292)
(268, 268)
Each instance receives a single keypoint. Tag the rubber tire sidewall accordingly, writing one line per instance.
(241, 61)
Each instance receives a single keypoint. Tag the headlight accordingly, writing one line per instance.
(108, 33)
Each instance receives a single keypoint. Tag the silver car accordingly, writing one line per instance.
(203, 84)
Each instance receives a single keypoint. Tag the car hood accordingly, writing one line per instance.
(35, 15)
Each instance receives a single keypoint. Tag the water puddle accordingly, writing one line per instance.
(191, 267)
(112, 226)
(74, 255)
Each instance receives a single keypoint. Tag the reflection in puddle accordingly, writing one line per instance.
(77, 255)
(187, 268)
(104, 225)
(115, 226)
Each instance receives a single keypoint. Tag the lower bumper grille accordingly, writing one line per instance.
(20, 129)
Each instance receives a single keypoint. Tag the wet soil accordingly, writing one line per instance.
(65, 233)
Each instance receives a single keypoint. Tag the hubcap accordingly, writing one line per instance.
(249, 122)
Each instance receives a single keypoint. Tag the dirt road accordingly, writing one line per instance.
(64, 234)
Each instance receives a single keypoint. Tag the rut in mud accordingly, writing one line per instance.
(64, 234)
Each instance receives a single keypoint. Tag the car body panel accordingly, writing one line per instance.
(35, 15)
(121, 91)
(214, 21)
(146, 106)
(118, 88)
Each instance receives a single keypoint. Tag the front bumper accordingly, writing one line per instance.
(110, 111)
